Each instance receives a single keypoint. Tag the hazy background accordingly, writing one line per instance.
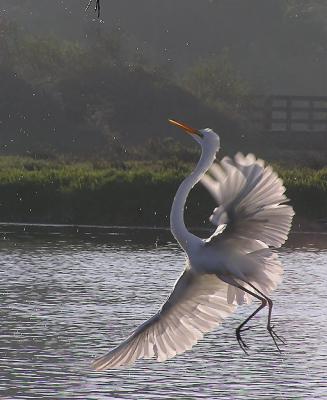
(84, 140)
(77, 85)
(279, 45)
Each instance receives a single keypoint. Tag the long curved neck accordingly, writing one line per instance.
(177, 225)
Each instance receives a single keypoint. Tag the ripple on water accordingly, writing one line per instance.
(66, 298)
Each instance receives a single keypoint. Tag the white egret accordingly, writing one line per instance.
(229, 268)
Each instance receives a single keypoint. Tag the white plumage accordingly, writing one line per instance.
(231, 267)
(249, 219)
(197, 305)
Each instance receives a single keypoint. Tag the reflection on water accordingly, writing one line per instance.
(69, 294)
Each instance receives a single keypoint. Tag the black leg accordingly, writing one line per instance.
(270, 328)
(241, 328)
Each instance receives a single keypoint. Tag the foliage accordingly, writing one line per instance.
(308, 189)
(62, 97)
(216, 82)
(125, 194)
(93, 98)
(47, 59)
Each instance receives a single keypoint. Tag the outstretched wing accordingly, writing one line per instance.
(197, 305)
(250, 198)
(250, 218)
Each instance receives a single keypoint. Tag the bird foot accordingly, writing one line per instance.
(240, 340)
(275, 337)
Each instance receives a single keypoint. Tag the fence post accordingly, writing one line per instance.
(293, 118)
(268, 114)
(310, 116)
(288, 114)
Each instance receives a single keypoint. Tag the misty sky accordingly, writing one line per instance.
(278, 54)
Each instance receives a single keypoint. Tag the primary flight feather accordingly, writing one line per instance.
(231, 267)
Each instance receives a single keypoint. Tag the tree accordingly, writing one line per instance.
(218, 83)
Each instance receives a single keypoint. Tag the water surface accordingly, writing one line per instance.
(70, 294)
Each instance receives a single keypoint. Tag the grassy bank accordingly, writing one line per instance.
(126, 194)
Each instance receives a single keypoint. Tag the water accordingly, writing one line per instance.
(68, 295)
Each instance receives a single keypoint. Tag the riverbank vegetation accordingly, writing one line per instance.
(76, 95)
(102, 96)
(125, 193)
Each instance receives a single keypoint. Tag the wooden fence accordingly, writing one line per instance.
(292, 114)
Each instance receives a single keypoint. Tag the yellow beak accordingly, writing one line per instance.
(186, 128)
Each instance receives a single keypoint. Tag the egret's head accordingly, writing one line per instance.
(207, 138)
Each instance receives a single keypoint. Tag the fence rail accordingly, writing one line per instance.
(291, 114)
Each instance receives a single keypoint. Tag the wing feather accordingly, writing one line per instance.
(251, 216)
(250, 201)
(196, 306)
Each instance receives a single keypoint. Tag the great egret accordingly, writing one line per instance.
(229, 268)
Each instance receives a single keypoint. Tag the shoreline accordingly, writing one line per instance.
(309, 227)
(136, 195)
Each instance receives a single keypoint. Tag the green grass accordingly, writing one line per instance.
(307, 189)
(131, 193)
